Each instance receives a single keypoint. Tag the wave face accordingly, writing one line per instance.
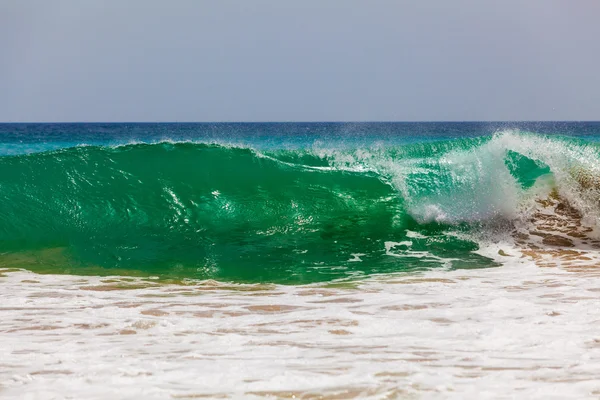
(197, 210)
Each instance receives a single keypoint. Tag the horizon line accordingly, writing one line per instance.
(297, 122)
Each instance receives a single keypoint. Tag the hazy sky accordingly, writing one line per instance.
(299, 60)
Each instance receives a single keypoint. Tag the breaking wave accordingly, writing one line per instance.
(198, 210)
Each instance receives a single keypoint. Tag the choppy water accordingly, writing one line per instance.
(307, 260)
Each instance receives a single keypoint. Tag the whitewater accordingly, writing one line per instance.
(310, 261)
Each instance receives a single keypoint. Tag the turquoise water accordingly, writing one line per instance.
(287, 203)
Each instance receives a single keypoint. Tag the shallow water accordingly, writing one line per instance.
(519, 330)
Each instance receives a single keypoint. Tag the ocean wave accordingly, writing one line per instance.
(205, 210)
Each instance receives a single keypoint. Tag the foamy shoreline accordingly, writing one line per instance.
(517, 330)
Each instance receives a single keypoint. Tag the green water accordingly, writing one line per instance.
(191, 210)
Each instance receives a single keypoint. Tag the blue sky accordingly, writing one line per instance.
(288, 60)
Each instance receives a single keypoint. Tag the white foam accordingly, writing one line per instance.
(448, 334)
(356, 257)
(414, 235)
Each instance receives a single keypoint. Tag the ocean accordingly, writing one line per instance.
(300, 260)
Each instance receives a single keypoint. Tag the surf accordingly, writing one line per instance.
(322, 212)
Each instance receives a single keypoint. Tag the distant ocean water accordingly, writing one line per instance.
(300, 260)
(279, 202)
